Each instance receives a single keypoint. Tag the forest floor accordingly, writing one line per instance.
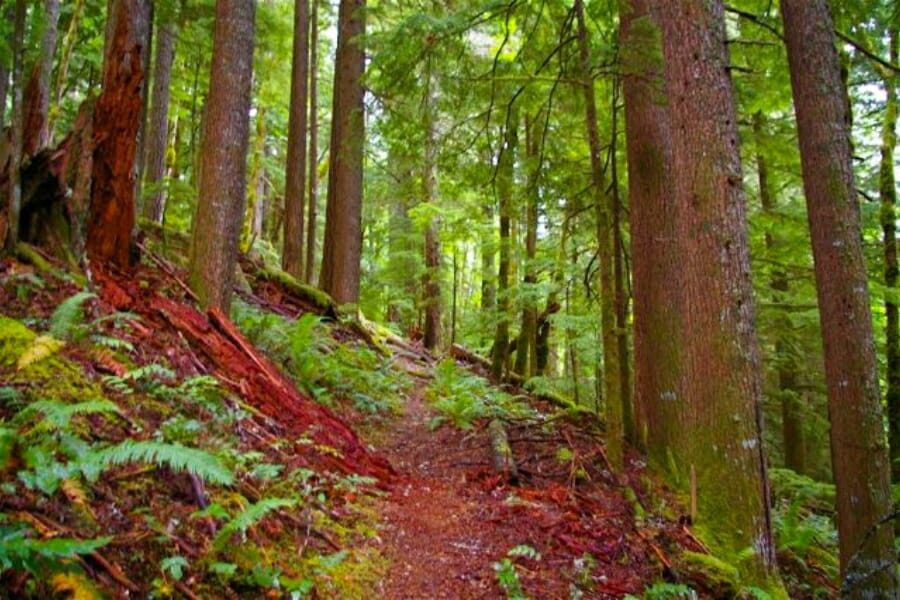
(431, 518)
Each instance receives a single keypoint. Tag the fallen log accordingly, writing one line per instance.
(502, 460)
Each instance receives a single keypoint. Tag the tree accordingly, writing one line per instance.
(343, 213)
(505, 180)
(717, 421)
(37, 90)
(14, 200)
(156, 138)
(292, 258)
(117, 119)
(431, 279)
(858, 449)
(313, 200)
(223, 162)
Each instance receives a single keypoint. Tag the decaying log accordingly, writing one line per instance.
(502, 460)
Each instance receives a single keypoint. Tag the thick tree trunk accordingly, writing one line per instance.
(612, 375)
(719, 432)
(858, 450)
(10, 229)
(888, 191)
(157, 133)
(116, 124)
(37, 91)
(343, 226)
(292, 258)
(312, 208)
(225, 140)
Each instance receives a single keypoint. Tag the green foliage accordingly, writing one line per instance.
(505, 571)
(20, 550)
(174, 456)
(666, 591)
(68, 320)
(249, 517)
(463, 398)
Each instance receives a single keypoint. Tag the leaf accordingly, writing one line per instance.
(69, 315)
(250, 516)
(42, 347)
(175, 456)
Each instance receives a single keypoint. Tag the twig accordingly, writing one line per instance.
(186, 591)
(114, 572)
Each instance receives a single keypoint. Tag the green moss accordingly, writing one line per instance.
(314, 296)
(51, 377)
(711, 573)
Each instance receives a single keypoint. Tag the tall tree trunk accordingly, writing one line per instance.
(858, 450)
(312, 209)
(292, 258)
(225, 140)
(658, 357)
(156, 138)
(612, 375)
(488, 251)
(505, 181)
(888, 192)
(719, 436)
(8, 10)
(257, 188)
(791, 407)
(37, 91)
(116, 124)
(432, 275)
(620, 277)
(14, 199)
(526, 358)
(343, 213)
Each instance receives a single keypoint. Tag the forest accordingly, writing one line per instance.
(465, 299)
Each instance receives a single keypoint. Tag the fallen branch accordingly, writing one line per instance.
(502, 460)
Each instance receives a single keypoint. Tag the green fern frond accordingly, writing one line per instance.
(250, 516)
(69, 316)
(175, 456)
(58, 414)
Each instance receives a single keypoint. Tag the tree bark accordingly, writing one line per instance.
(888, 192)
(432, 276)
(156, 136)
(37, 92)
(858, 450)
(116, 125)
(343, 215)
(526, 358)
(62, 71)
(312, 210)
(292, 259)
(612, 375)
(14, 200)
(225, 140)
(719, 433)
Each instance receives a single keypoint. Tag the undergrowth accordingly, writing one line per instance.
(168, 477)
(463, 398)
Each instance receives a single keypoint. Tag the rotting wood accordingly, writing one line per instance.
(502, 460)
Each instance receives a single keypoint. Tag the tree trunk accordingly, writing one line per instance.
(488, 252)
(612, 375)
(312, 210)
(858, 450)
(62, 71)
(116, 125)
(526, 360)
(719, 433)
(256, 195)
(9, 13)
(225, 140)
(14, 200)
(343, 214)
(36, 133)
(295, 185)
(432, 275)
(786, 370)
(888, 192)
(505, 181)
(156, 137)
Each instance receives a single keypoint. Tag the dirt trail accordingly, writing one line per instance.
(438, 532)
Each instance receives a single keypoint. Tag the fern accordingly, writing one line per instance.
(249, 517)
(18, 550)
(58, 415)
(175, 456)
(68, 321)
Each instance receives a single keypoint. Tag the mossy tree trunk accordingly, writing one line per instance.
(431, 279)
(858, 449)
(505, 179)
(888, 193)
(292, 257)
(612, 375)
(526, 357)
(222, 195)
(14, 191)
(37, 91)
(312, 207)
(718, 432)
